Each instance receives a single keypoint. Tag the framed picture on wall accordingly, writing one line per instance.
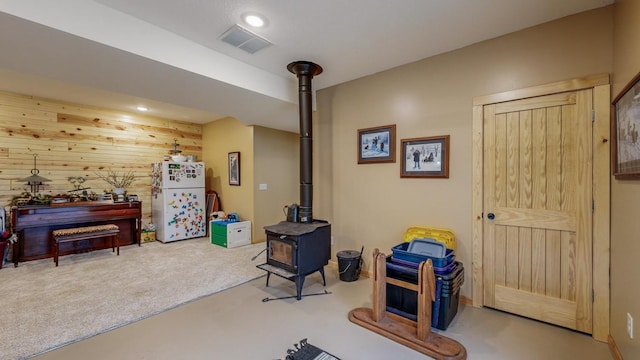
(426, 157)
(625, 131)
(377, 145)
(234, 168)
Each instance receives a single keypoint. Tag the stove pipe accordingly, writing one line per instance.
(305, 71)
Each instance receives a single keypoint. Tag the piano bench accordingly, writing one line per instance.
(85, 233)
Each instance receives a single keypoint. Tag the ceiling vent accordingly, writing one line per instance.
(244, 39)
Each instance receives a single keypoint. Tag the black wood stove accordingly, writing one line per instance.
(295, 250)
(301, 245)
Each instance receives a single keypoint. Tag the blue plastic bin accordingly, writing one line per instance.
(400, 252)
(404, 302)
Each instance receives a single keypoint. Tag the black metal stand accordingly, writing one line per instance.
(298, 279)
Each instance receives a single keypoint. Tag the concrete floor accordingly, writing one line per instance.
(237, 324)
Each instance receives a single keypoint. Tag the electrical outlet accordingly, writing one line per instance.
(630, 326)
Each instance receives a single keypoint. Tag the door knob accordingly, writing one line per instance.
(491, 216)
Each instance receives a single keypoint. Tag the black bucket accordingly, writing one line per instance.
(349, 264)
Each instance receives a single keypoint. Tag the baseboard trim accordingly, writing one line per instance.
(615, 352)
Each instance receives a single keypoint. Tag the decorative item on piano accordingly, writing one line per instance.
(35, 180)
(117, 180)
(26, 198)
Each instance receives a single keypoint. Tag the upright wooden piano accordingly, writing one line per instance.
(33, 225)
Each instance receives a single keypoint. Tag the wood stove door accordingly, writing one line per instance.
(282, 252)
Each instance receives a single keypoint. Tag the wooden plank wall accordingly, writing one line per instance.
(73, 140)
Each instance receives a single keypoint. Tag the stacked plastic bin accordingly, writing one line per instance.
(421, 244)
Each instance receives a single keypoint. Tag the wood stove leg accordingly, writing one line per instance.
(379, 286)
(324, 281)
(299, 283)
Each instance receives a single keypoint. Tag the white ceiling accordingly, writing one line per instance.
(167, 54)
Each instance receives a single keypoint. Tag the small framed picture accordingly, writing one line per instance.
(377, 145)
(426, 157)
(234, 168)
(625, 150)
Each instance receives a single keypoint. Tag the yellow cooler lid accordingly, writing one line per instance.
(443, 235)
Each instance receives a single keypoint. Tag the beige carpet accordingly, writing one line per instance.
(44, 307)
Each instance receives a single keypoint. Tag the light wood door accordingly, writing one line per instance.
(537, 208)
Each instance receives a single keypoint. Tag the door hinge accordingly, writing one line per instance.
(593, 296)
(593, 205)
(593, 115)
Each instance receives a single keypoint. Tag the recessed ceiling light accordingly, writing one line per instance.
(142, 108)
(255, 20)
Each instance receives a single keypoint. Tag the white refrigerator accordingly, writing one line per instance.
(178, 200)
